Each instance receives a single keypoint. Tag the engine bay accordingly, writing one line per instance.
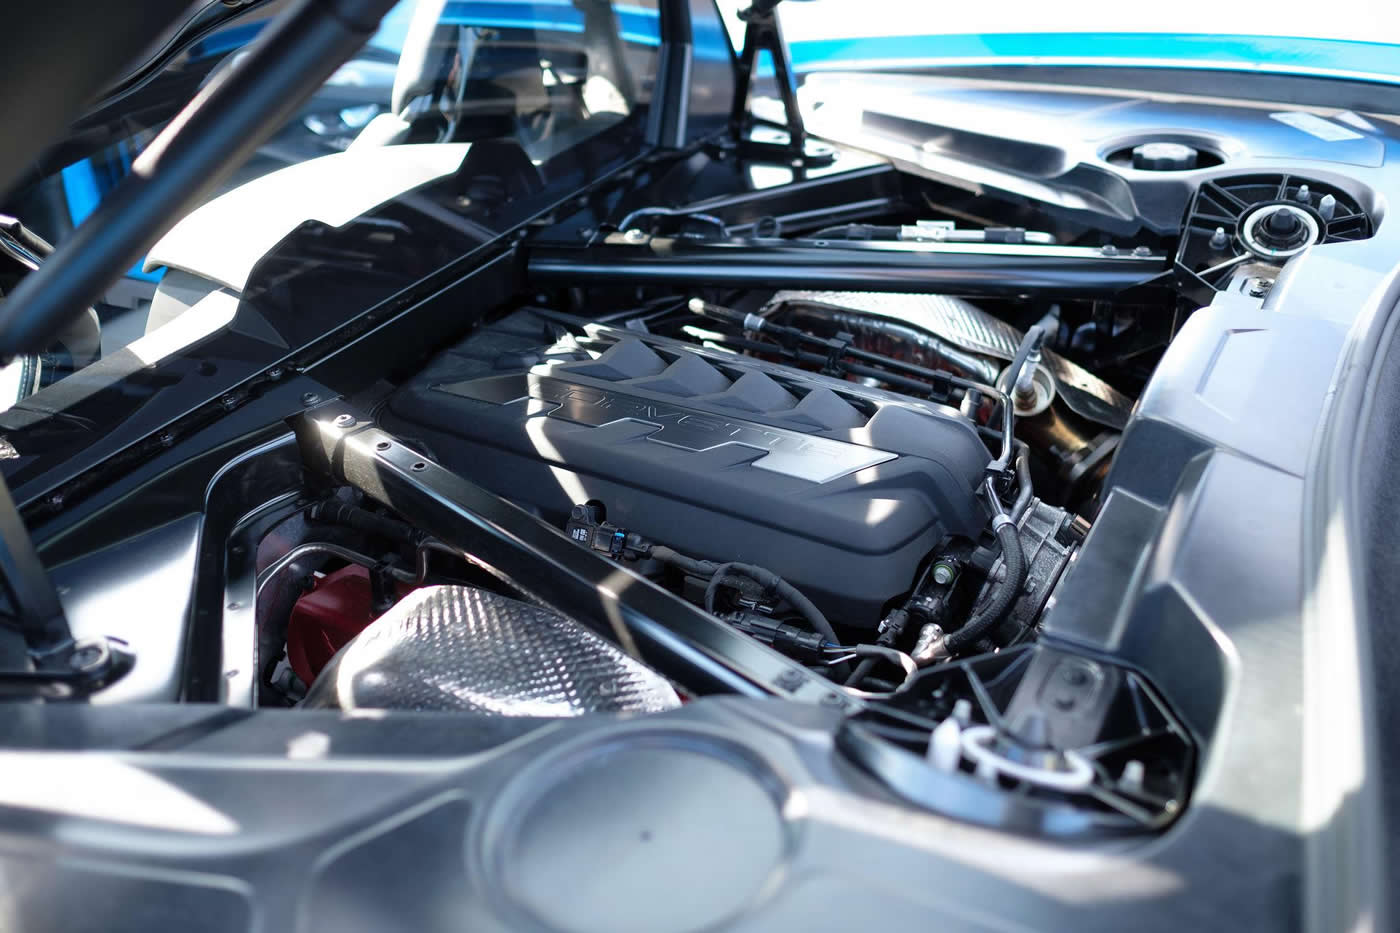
(934, 461)
(884, 485)
(972, 515)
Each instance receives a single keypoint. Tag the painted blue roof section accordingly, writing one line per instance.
(637, 24)
(1370, 61)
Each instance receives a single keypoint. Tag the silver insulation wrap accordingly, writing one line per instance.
(973, 330)
(465, 649)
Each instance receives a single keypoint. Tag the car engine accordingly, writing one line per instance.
(814, 489)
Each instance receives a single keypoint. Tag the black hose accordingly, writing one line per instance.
(1014, 560)
(339, 513)
(696, 568)
(862, 669)
(1023, 482)
(713, 589)
(805, 608)
(873, 653)
(765, 578)
(786, 591)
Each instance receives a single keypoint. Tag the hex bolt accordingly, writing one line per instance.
(85, 657)
(788, 680)
(344, 421)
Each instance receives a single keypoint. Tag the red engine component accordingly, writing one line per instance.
(340, 607)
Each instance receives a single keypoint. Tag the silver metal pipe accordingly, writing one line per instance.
(330, 550)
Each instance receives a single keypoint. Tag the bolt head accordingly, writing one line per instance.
(87, 657)
(788, 680)
(344, 421)
(310, 398)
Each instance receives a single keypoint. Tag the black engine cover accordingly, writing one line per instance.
(838, 488)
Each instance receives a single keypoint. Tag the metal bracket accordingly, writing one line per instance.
(51, 665)
(763, 32)
(681, 641)
(72, 672)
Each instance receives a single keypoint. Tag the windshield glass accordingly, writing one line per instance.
(534, 79)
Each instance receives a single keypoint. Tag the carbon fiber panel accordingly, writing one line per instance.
(461, 648)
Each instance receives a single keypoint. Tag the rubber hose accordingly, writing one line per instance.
(786, 591)
(872, 653)
(339, 513)
(862, 669)
(764, 577)
(1014, 560)
(807, 609)
(713, 589)
(696, 568)
(1023, 482)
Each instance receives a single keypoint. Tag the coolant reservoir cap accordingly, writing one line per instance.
(1164, 157)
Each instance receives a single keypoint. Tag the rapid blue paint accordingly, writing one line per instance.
(637, 24)
(226, 40)
(81, 190)
(1280, 55)
(84, 192)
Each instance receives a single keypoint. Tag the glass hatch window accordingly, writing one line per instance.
(540, 76)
